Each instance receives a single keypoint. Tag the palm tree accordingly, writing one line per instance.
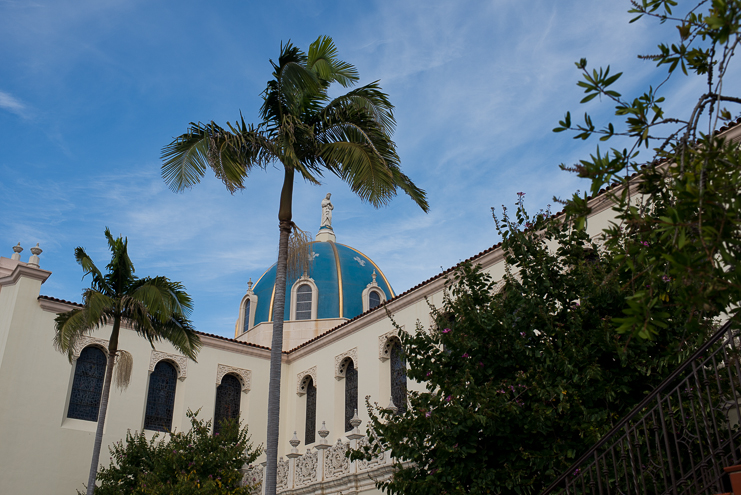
(307, 133)
(155, 308)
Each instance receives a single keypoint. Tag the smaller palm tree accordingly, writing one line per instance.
(155, 308)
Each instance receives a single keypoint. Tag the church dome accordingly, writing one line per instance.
(342, 281)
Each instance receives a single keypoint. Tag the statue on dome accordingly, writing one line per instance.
(327, 212)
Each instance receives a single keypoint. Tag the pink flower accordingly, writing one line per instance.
(447, 330)
(449, 398)
(481, 364)
(429, 373)
(465, 355)
(428, 414)
(645, 243)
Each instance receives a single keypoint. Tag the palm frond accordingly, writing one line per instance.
(322, 59)
(89, 268)
(70, 326)
(124, 366)
(368, 98)
(120, 269)
(185, 158)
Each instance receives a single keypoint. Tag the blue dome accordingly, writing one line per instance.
(340, 273)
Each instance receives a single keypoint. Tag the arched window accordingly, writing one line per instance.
(310, 433)
(398, 377)
(374, 299)
(161, 397)
(228, 399)
(246, 315)
(351, 393)
(87, 385)
(303, 302)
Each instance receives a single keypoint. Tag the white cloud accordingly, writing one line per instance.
(13, 105)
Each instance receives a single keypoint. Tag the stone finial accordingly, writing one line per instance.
(355, 422)
(392, 407)
(322, 444)
(16, 252)
(34, 259)
(374, 276)
(249, 285)
(294, 443)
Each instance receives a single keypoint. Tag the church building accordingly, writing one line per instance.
(339, 347)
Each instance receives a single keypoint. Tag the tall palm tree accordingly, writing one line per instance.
(308, 133)
(155, 308)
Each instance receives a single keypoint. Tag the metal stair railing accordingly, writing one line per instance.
(675, 441)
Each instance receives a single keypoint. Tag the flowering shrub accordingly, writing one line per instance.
(181, 463)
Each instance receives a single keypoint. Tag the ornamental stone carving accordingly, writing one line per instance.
(303, 379)
(253, 478)
(85, 341)
(336, 464)
(180, 362)
(282, 475)
(340, 362)
(375, 461)
(306, 468)
(384, 344)
(244, 376)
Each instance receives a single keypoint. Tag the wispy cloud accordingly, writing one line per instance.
(14, 105)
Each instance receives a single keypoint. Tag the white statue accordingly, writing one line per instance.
(327, 212)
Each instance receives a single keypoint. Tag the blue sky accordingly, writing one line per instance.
(91, 90)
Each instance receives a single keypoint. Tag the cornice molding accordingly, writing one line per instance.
(25, 271)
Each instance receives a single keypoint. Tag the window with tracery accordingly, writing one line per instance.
(351, 393)
(87, 386)
(398, 377)
(374, 299)
(303, 302)
(228, 400)
(310, 432)
(161, 397)
(246, 316)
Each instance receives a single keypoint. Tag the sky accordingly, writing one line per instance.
(91, 90)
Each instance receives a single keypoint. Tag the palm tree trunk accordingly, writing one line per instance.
(112, 349)
(276, 350)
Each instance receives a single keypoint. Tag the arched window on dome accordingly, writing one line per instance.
(351, 393)
(87, 386)
(373, 295)
(246, 319)
(310, 429)
(374, 299)
(228, 400)
(398, 376)
(303, 302)
(161, 397)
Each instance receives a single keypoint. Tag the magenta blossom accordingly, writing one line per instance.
(428, 414)
(465, 355)
(449, 398)
(447, 330)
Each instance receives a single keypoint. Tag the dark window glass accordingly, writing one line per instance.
(303, 302)
(351, 393)
(228, 399)
(87, 385)
(310, 435)
(398, 377)
(374, 299)
(161, 397)
(246, 316)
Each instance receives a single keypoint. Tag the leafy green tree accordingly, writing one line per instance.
(155, 308)
(307, 133)
(520, 377)
(678, 212)
(184, 463)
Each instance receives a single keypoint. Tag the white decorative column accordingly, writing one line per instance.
(321, 446)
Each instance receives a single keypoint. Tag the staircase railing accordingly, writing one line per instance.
(678, 439)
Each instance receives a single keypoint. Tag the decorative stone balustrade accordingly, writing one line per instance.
(324, 468)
